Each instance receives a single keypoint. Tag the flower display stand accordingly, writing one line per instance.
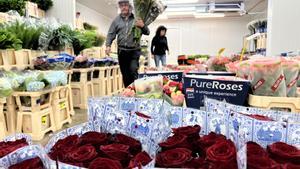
(82, 87)
(100, 81)
(3, 129)
(291, 103)
(35, 54)
(112, 80)
(61, 107)
(32, 9)
(35, 116)
(8, 59)
(119, 79)
(10, 114)
(94, 52)
(23, 57)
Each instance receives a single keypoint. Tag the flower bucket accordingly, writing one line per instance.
(23, 57)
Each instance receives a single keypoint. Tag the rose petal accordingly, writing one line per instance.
(135, 145)
(141, 159)
(189, 131)
(173, 158)
(222, 154)
(105, 163)
(35, 163)
(94, 138)
(290, 166)
(255, 149)
(257, 162)
(284, 153)
(198, 163)
(176, 141)
(10, 146)
(84, 153)
(69, 141)
(116, 151)
(208, 140)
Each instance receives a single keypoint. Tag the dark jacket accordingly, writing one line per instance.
(122, 28)
(159, 45)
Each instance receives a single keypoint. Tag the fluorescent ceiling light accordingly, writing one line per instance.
(209, 15)
(181, 1)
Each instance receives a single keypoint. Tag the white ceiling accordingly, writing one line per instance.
(109, 7)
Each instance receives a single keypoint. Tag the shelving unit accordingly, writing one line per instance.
(256, 42)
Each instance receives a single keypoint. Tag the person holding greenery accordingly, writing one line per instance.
(129, 49)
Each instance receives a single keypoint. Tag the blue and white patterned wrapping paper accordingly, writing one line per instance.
(18, 136)
(284, 128)
(26, 153)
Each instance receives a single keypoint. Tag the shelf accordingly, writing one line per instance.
(254, 36)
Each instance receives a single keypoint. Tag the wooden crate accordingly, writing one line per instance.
(69, 50)
(3, 129)
(94, 52)
(41, 13)
(11, 59)
(100, 81)
(35, 117)
(267, 102)
(32, 9)
(61, 107)
(82, 75)
(10, 114)
(4, 17)
(80, 94)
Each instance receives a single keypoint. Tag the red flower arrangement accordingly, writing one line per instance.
(186, 149)
(35, 163)
(10, 146)
(100, 150)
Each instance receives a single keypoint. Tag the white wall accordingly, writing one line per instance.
(63, 10)
(93, 17)
(283, 26)
(203, 36)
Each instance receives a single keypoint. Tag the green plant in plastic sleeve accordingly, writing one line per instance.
(267, 78)
(56, 78)
(150, 87)
(291, 72)
(148, 11)
(35, 86)
(5, 87)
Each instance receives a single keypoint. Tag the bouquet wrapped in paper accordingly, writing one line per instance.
(267, 77)
(151, 87)
(173, 92)
(218, 63)
(291, 73)
(148, 11)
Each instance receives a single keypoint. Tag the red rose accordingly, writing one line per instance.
(105, 163)
(134, 145)
(173, 158)
(94, 138)
(63, 144)
(208, 140)
(116, 151)
(290, 166)
(284, 153)
(260, 117)
(84, 153)
(141, 159)
(176, 141)
(198, 163)
(35, 163)
(222, 155)
(189, 131)
(10, 146)
(255, 149)
(258, 162)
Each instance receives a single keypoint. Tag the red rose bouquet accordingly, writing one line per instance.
(28, 157)
(100, 150)
(277, 156)
(186, 149)
(10, 146)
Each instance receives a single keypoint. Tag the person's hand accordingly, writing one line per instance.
(107, 50)
(139, 23)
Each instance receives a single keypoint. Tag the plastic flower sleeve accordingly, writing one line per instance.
(5, 88)
(25, 153)
(267, 78)
(291, 72)
(17, 137)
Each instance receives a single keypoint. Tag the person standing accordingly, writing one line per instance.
(159, 46)
(129, 49)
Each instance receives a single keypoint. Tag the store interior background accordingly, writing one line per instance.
(189, 35)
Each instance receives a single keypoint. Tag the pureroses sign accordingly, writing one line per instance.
(172, 75)
(231, 89)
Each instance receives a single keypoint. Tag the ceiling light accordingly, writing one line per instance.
(209, 15)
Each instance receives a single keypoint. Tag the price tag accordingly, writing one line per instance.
(62, 105)
(44, 119)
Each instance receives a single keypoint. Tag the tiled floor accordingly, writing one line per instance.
(79, 117)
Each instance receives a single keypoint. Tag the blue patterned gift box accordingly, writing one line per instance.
(26, 153)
